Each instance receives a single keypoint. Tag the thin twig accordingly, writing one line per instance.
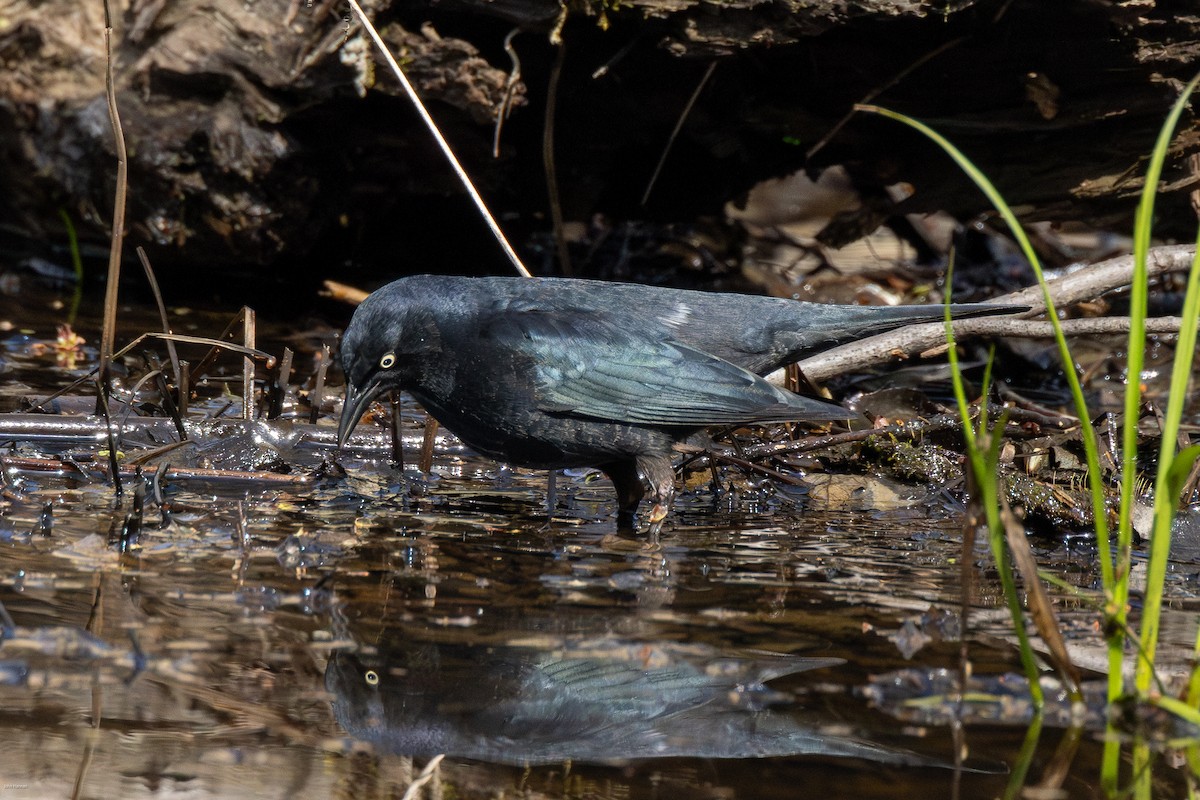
(157, 452)
(510, 87)
(248, 335)
(870, 96)
(900, 430)
(549, 163)
(248, 352)
(316, 397)
(162, 310)
(441, 140)
(168, 400)
(112, 440)
(173, 337)
(1096, 279)
(750, 466)
(278, 391)
(44, 465)
(1037, 599)
(211, 356)
(1094, 326)
(344, 292)
(687, 109)
(623, 51)
(181, 403)
(397, 439)
(109, 329)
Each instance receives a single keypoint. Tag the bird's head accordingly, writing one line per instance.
(388, 339)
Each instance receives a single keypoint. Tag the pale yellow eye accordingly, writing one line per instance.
(388, 361)
(372, 677)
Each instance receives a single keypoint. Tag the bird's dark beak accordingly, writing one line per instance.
(353, 408)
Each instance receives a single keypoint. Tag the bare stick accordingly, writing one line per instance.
(344, 292)
(437, 135)
(510, 88)
(870, 96)
(318, 392)
(548, 163)
(109, 330)
(277, 394)
(211, 356)
(248, 335)
(397, 439)
(1037, 599)
(414, 788)
(168, 400)
(1096, 279)
(112, 440)
(183, 389)
(925, 336)
(248, 352)
(162, 310)
(42, 465)
(173, 337)
(427, 443)
(1083, 284)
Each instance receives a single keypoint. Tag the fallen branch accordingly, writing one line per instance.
(1083, 284)
(344, 293)
(1094, 280)
(75, 467)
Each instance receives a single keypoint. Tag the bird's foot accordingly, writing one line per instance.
(657, 515)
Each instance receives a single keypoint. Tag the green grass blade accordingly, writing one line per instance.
(1179, 708)
(1165, 501)
(1164, 505)
(983, 457)
(956, 379)
(76, 263)
(1113, 610)
(1091, 450)
(1020, 769)
(1181, 468)
(1087, 432)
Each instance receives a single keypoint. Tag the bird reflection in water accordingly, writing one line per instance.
(601, 700)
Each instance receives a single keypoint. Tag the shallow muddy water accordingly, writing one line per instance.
(319, 633)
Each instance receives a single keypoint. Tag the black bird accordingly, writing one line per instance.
(557, 373)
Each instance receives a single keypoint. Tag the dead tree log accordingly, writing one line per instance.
(263, 134)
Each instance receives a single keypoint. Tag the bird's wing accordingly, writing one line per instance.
(594, 364)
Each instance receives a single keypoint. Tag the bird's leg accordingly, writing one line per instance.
(630, 479)
(659, 474)
(551, 493)
(628, 483)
